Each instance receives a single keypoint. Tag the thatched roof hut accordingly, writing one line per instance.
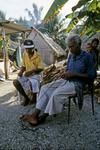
(49, 50)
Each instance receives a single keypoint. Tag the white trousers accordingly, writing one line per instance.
(50, 97)
(30, 84)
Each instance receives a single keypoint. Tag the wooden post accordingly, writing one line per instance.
(5, 55)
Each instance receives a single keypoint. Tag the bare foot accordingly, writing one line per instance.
(32, 119)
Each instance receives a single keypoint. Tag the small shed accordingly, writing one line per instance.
(49, 50)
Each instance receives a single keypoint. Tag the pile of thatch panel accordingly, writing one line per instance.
(52, 73)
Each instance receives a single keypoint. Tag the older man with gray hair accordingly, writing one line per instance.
(79, 68)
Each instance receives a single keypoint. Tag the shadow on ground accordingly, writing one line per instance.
(83, 132)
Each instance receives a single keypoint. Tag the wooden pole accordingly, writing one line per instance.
(5, 55)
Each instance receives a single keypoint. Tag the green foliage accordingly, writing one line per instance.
(0, 45)
(88, 15)
(55, 30)
(54, 9)
(80, 4)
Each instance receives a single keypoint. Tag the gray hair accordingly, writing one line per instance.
(74, 37)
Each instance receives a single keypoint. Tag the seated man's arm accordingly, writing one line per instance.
(69, 75)
(33, 71)
(90, 72)
(80, 75)
(22, 70)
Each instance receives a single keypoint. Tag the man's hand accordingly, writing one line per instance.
(67, 75)
(20, 74)
(22, 69)
(28, 73)
(32, 72)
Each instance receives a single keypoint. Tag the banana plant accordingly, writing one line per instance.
(86, 12)
(88, 16)
(54, 9)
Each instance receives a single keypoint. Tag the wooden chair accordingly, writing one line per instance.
(90, 90)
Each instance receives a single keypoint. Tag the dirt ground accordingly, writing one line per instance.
(83, 132)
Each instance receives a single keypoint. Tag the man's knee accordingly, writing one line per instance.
(16, 83)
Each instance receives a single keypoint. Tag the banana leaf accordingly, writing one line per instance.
(54, 9)
(80, 4)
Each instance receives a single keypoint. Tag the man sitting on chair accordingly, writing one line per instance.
(29, 75)
(79, 68)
